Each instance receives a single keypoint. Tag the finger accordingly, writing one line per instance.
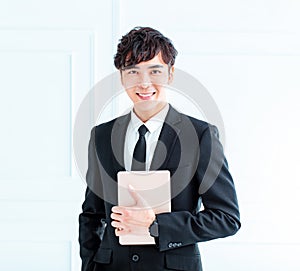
(120, 226)
(120, 232)
(117, 232)
(117, 217)
(117, 224)
(117, 209)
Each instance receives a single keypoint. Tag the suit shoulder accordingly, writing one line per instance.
(106, 127)
(197, 122)
(201, 126)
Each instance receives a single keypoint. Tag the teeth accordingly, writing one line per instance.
(145, 94)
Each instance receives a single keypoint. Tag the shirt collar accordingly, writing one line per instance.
(152, 124)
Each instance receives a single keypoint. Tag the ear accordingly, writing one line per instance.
(171, 75)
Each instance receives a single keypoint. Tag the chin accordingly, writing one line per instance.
(149, 107)
(148, 104)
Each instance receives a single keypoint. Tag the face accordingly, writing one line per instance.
(145, 84)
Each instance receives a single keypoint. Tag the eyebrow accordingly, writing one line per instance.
(155, 66)
(136, 67)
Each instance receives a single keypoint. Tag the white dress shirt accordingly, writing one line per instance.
(154, 126)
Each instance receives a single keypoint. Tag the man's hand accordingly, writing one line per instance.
(135, 219)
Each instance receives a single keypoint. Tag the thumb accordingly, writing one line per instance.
(140, 201)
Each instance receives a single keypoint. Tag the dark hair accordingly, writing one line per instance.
(142, 44)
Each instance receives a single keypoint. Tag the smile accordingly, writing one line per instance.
(146, 96)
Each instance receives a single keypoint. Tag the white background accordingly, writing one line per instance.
(246, 53)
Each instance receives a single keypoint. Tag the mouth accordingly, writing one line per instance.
(145, 96)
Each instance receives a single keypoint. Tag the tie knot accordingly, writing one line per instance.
(143, 130)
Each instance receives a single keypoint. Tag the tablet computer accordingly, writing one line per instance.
(154, 188)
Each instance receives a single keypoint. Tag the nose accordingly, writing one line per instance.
(145, 80)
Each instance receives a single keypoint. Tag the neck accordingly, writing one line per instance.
(144, 114)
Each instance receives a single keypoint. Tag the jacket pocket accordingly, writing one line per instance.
(103, 255)
(181, 262)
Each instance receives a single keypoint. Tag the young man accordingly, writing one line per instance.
(154, 136)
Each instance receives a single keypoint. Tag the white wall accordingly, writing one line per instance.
(246, 53)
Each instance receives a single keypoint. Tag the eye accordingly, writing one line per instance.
(155, 72)
(132, 72)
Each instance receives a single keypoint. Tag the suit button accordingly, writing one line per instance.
(135, 257)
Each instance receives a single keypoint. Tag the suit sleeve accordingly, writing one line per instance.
(92, 211)
(220, 217)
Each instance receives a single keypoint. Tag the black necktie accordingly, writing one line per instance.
(139, 153)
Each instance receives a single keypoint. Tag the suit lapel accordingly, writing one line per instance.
(118, 140)
(165, 144)
(166, 140)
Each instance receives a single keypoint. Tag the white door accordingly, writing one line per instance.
(50, 55)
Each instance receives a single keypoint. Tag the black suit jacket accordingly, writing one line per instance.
(191, 150)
